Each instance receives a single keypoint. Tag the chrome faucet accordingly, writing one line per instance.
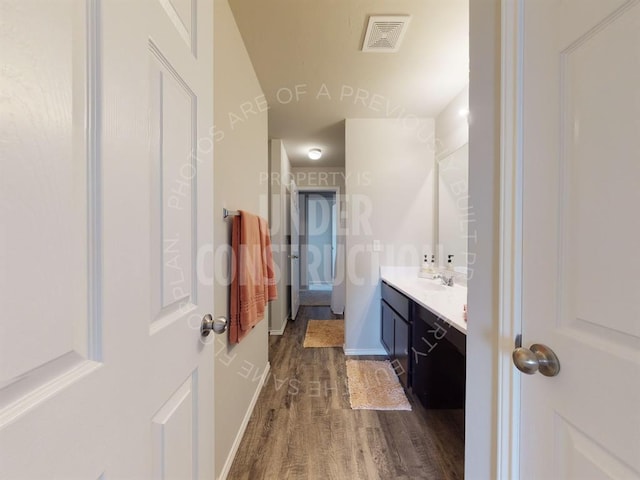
(446, 279)
(448, 275)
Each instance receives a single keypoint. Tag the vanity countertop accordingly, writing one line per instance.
(447, 303)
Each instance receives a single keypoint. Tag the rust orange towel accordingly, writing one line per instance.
(253, 281)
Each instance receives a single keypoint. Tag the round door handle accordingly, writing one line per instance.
(293, 256)
(538, 358)
(209, 324)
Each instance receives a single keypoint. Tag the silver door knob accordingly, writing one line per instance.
(209, 324)
(537, 358)
(293, 256)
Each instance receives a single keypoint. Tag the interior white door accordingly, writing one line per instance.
(334, 237)
(581, 165)
(294, 256)
(106, 214)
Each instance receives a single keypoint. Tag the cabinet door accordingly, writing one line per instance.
(387, 328)
(402, 336)
(438, 375)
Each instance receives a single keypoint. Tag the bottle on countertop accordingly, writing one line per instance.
(426, 270)
(448, 274)
(425, 263)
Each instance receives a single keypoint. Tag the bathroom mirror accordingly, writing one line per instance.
(453, 208)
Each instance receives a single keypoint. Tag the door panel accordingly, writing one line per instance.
(174, 442)
(582, 458)
(49, 189)
(50, 331)
(174, 179)
(596, 216)
(158, 227)
(581, 150)
(295, 250)
(182, 14)
(107, 219)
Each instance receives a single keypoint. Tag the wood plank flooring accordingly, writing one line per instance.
(315, 297)
(303, 427)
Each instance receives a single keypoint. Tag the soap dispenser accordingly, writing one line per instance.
(425, 264)
(447, 278)
(426, 270)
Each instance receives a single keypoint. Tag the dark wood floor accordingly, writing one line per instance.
(303, 427)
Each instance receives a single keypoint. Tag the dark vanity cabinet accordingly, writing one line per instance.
(439, 365)
(396, 331)
(429, 355)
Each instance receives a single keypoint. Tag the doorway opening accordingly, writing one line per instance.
(318, 245)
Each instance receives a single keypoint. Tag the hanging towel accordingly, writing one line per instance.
(253, 281)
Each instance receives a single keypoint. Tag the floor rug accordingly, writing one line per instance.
(373, 385)
(315, 298)
(324, 333)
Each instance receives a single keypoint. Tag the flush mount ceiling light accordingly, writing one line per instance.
(315, 153)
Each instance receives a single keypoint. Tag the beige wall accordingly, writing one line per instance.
(321, 177)
(280, 211)
(241, 160)
(484, 174)
(389, 170)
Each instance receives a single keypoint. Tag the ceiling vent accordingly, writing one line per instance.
(385, 33)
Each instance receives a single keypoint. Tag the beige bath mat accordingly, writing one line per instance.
(373, 385)
(324, 333)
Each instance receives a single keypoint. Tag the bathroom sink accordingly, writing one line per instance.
(432, 286)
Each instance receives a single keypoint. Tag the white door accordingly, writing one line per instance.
(581, 174)
(334, 237)
(294, 255)
(106, 208)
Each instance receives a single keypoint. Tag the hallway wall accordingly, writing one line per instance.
(279, 218)
(240, 162)
(320, 177)
(389, 171)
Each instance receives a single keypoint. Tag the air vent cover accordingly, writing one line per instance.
(385, 33)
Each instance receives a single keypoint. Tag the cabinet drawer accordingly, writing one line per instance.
(396, 300)
(441, 329)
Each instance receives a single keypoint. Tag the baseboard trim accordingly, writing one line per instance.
(243, 425)
(365, 351)
(281, 331)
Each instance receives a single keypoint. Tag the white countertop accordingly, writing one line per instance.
(447, 304)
